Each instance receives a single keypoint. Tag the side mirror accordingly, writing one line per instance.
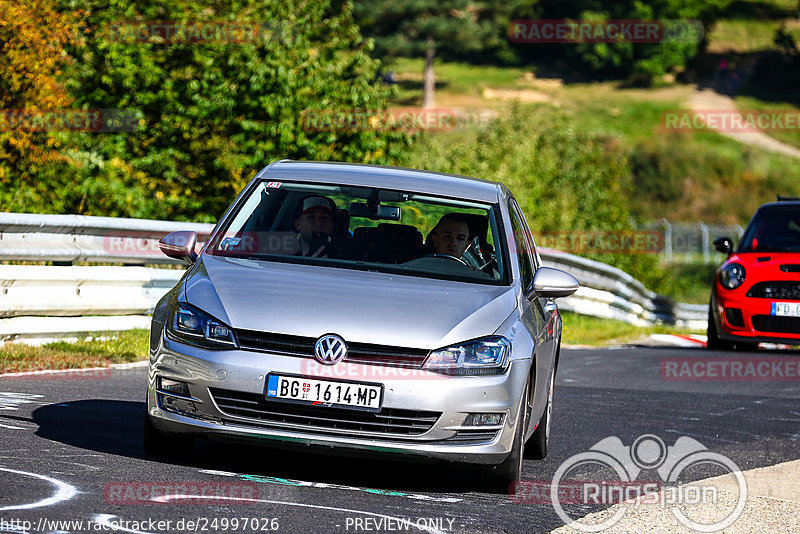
(724, 244)
(179, 245)
(554, 283)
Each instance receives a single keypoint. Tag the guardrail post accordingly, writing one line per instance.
(706, 249)
(667, 240)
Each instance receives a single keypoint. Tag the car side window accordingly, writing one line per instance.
(524, 252)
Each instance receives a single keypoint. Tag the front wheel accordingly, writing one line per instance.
(510, 471)
(540, 439)
(157, 443)
(714, 342)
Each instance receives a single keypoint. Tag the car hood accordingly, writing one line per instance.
(360, 306)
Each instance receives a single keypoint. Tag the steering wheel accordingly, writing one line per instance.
(446, 256)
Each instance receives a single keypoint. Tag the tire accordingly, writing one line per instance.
(714, 342)
(157, 443)
(503, 475)
(540, 439)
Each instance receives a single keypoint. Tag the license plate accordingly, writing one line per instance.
(351, 395)
(788, 309)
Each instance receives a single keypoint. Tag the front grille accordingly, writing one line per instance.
(303, 347)
(775, 290)
(388, 421)
(473, 437)
(779, 325)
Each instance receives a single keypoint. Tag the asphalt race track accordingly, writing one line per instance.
(71, 452)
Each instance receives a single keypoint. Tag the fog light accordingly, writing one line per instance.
(173, 386)
(481, 419)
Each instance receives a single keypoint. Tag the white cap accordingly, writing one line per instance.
(318, 202)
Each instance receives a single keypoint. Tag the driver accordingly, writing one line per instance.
(451, 235)
(316, 214)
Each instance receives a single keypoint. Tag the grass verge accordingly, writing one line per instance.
(594, 331)
(100, 350)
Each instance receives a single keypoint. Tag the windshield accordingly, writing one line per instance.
(366, 228)
(774, 229)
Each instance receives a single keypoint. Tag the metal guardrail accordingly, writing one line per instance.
(609, 292)
(81, 238)
(45, 302)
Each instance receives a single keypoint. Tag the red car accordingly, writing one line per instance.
(756, 294)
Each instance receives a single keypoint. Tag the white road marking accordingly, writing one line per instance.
(105, 521)
(10, 400)
(63, 493)
(11, 427)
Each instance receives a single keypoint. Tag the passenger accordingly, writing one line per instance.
(316, 214)
(451, 235)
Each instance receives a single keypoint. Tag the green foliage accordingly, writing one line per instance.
(563, 179)
(785, 41)
(639, 63)
(212, 113)
(458, 28)
(705, 177)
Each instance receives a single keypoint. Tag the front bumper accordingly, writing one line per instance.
(752, 319)
(244, 372)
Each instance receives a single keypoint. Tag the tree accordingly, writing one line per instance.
(33, 36)
(215, 110)
(641, 63)
(424, 27)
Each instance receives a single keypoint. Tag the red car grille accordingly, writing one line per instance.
(775, 290)
(778, 325)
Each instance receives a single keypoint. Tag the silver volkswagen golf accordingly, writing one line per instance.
(363, 308)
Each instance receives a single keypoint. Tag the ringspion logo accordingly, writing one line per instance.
(609, 473)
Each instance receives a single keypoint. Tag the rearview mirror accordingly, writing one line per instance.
(179, 245)
(387, 213)
(724, 244)
(554, 283)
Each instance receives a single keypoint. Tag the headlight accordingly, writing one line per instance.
(195, 327)
(486, 356)
(732, 275)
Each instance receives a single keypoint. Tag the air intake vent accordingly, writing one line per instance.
(777, 325)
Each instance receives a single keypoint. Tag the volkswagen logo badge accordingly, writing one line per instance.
(330, 349)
